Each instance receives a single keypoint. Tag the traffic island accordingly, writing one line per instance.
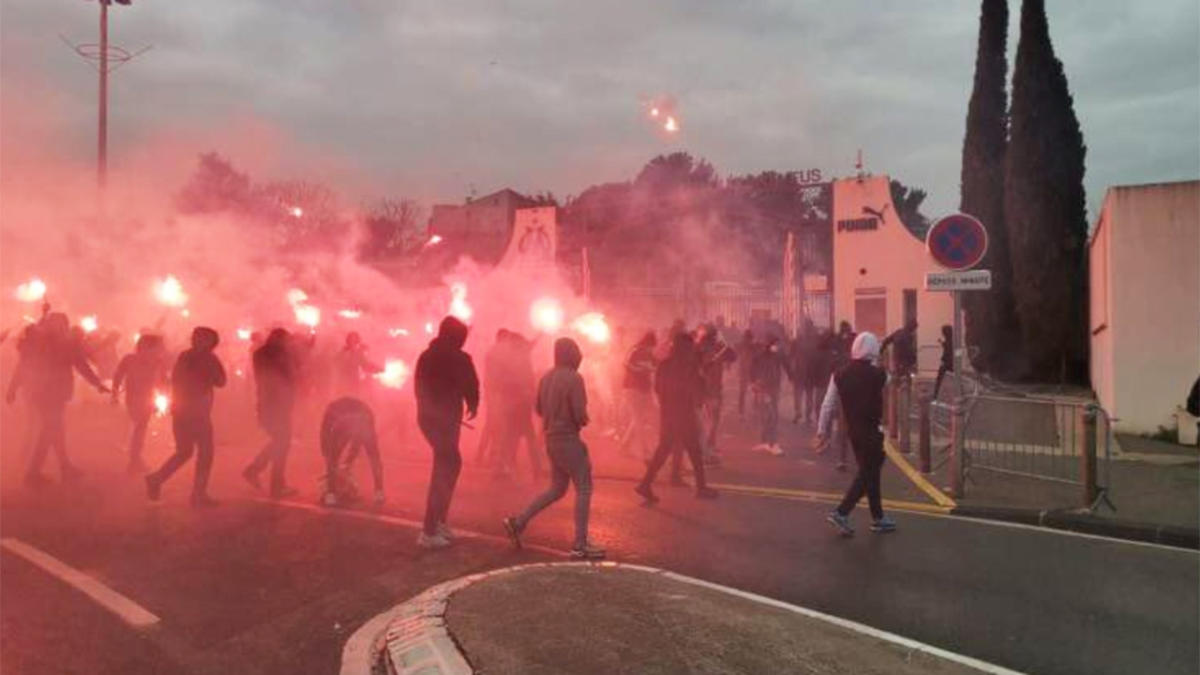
(603, 618)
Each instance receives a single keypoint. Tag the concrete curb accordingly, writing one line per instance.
(1086, 523)
(416, 640)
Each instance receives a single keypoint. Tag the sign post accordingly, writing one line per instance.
(957, 242)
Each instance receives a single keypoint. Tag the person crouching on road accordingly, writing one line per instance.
(445, 381)
(562, 405)
(197, 372)
(857, 390)
(348, 423)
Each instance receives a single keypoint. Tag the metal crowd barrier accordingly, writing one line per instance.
(1068, 441)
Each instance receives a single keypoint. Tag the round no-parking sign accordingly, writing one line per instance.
(957, 241)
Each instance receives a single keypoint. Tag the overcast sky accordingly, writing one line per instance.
(430, 98)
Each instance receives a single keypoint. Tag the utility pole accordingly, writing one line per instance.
(102, 122)
(105, 58)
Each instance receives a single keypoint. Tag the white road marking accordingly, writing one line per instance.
(405, 522)
(127, 610)
(876, 633)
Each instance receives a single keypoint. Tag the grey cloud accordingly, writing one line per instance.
(433, 96)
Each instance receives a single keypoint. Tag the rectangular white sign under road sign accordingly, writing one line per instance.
(971, 280)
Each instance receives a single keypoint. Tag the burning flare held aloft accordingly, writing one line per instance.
(546, 315)
(306, 314)
(394, 374)
(33, 290)
(162, 403)
(170, 292)
(459, 308)
(89, 323)
(593, 326)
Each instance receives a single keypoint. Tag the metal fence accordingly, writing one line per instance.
(1061, 440)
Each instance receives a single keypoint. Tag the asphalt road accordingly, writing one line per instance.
(256, 587)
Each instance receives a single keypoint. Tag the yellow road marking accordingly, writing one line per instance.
(915, 476)
(828, 497)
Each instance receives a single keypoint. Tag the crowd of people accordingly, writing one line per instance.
(680, 375)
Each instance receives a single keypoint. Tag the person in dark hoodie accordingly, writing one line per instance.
(139, 373)
(679, 389)
(197, 372)
(275, 381)
(770, 365)
(857, 390)
(348, 423)
(49, 358)
(445, 382)
(562, 405)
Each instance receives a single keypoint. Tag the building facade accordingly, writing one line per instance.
(879, 268)
(1144, 314)
(480, 228)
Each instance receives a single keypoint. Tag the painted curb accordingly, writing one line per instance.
(413, 639)
(1069, 521)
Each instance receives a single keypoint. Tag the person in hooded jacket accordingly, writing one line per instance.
(445, 381)
(196, 374)
(276, 382)
(49, 358)
(770, 365)
(856, 389)
(679, 389)
(562, 405)
(139, 373)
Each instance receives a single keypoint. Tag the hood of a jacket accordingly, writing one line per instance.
(452, 333)
(566, 353)
(866, 346)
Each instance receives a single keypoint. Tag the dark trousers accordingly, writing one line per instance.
(569, 465)
(193, 435)
(868, 452)
(675, 432)
(447, 463)
(937, 384)
(275, 453)
(511, 428)
(51, 433)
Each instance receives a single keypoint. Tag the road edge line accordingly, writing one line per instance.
(824, 497)
(124, 608)
(916, 477)
(420, 629)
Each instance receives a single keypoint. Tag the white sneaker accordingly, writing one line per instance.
(775, 450)
(444, 531)
(761, 447)
(379, 498)
(432, 542)
(329, 499)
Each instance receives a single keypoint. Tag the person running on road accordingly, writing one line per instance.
(275, 381)
(678, 385)
(139, 373)
(562, 405)
(947, 364)
(767, 379)
(639, 397)
(49, 358)
(714, 356)
(445, 382)
(857, 390)
(347, 423)
(746, 351)
(196, 374)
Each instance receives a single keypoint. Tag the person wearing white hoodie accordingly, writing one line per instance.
(856, 389)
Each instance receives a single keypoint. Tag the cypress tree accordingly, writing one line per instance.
(1044, 207)
(991, 322)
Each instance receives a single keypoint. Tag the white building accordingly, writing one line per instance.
(1144, 257)
(879, 268)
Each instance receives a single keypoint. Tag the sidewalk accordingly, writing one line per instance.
(599, 619)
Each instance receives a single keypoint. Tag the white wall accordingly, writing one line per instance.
(1148, 352)
(888, 257)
